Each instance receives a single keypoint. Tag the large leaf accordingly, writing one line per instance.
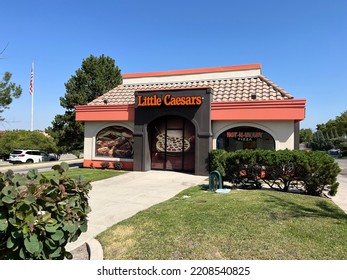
(57, 253)
(30, 199)
(19, 180)
(12, 243)
(58, 235)
(63, 167)
(50, 244)
(70, 227)
(32, 244)
(9, 191)
(54, 181)
(52, 228)
(32, 174)
(20, 215)
(84, 227)
(8, 200)
(3, 224)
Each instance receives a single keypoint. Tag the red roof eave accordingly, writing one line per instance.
(122, 112)
(277, 110)
(289, 109)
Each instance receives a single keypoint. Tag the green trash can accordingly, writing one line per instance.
(215, 180)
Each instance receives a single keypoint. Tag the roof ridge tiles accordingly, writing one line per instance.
(235, 87)
(275, 86)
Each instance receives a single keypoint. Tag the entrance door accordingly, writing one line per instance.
(172, 143)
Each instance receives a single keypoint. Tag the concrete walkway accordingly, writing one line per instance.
(118, 198)
(341, 197)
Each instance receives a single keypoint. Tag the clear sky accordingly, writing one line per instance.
(301, 45)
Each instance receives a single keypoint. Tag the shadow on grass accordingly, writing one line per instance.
(322, 209)
(281, 208)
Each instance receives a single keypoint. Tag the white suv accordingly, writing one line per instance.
(30, 156)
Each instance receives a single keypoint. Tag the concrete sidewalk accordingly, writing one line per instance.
(118, 198)
(341, 197)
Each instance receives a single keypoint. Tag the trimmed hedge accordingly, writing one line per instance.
(311, 172)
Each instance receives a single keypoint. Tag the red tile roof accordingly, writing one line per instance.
(233, 89)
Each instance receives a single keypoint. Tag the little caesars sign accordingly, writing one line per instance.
(167, 100)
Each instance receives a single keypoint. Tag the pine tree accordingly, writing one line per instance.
(96, 76)
(8, 91)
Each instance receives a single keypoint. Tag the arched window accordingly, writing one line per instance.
(114, 141)
(245, 137)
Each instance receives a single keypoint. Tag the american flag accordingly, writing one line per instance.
(31, 88)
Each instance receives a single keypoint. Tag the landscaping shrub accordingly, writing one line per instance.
(218, 161)
(284, 168)
(117, 165)
(311, 172)
(243, 169)
(321, 174)
(105, 165)
(38, 216)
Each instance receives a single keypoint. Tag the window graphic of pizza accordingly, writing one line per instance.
(174, 144)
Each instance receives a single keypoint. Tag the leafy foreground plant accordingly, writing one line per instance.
(39, 216)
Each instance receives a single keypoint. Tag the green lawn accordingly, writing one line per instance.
(244, 224)
(87, 173)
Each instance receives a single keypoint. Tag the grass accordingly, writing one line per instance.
(87, 173)
(252, 224)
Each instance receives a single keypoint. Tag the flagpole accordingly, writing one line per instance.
(32, 95)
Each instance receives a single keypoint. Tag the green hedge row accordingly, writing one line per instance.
(310, 172)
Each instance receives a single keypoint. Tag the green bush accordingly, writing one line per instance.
(311, 172)
(218, 160)
(105, 165)
(321, 174)
(38, 216)
(117, 165)
(284, 168)
(242, 169)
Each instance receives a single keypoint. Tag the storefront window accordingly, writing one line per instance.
(115, 142)
(245, 137)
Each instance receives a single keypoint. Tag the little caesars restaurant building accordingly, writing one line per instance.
(171, 120)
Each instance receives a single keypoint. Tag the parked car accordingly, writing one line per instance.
(336, 153)
(30, 156)
(4, 157)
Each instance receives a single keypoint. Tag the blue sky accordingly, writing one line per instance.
(301, 45)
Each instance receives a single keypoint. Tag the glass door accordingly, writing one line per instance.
(172, 142)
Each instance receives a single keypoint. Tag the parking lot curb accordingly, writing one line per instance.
(16, 167)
